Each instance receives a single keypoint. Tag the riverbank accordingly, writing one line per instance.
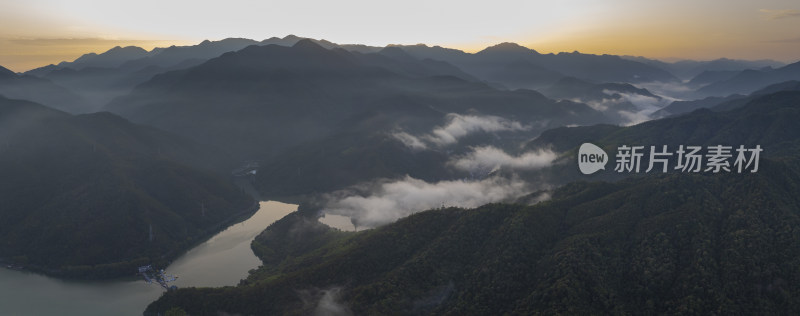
(222, 260)
(126, 270)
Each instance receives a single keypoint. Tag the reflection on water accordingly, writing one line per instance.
(23, 293)
(222, 260)
(225, 258)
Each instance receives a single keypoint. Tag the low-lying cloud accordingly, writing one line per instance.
(635, 117)
(458, 126)
(461, 125)
(643, 105)
(488, 158)
(638, 100)
(383, 202)
(329, 304)
(410, 141)
(669, 90)
(325, 301)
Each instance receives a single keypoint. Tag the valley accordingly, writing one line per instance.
(426, 180)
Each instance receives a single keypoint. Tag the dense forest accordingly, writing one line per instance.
(94, 196)
(131, 157)
(677, 243)
(667, 243)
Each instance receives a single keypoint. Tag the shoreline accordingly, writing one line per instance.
(165, 259)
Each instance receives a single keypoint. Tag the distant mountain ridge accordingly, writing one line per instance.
(492, 64)
(98, 78)
(28, 87)
(132, 58)
(724, 103)
(112, 58)
(687, 69)
(747, 81)
(570, 87)
(276, 97)
(570, 64)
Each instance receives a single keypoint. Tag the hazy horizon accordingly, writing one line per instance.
(149, 45)
(41, 32)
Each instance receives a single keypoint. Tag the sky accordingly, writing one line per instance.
(35, 33)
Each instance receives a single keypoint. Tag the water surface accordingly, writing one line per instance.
(222, 260)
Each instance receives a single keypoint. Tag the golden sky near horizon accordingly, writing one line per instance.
(35, 33)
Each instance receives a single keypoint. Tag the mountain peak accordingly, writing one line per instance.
(6, 73)
(395, 52)
(508, 47)
(127, 49)
(233, 40)
(307, 44)
(110, 58)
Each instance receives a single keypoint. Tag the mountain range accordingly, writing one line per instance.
(747, 81)
(669, 243)
(688, 69)
(95, 196)
(125, 158)
(514, 66)
(28, 87)
(261, 100)
(675, 243)
(99, 78)
(724, 103)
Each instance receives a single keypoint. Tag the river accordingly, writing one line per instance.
(222, 260)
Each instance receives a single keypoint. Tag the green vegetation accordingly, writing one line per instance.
(767, 120)
(175, 312)
(82, 195)
(668, 243)
(95, 196)
(673, 243)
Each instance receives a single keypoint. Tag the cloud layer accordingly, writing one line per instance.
(644, 106)
(389, 201)
(325, 301)
(458, 126)
(489, 158)
(461, 125)
(410, 141)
